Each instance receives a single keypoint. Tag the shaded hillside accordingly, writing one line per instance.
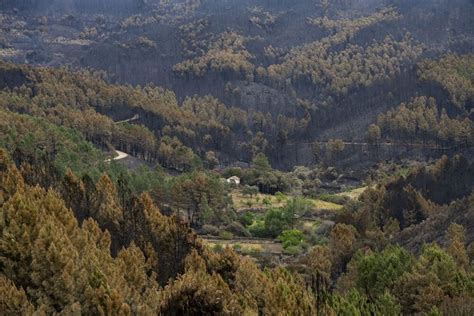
(432, 229)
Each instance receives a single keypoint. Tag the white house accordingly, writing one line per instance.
(234, 180)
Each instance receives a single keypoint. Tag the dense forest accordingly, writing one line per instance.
(238, 157)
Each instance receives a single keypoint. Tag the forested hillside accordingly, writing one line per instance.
(237, 157)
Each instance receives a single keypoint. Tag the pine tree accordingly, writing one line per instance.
(107, 210)
(74, 194)
(11, 180)
(249, 285)
(456, 248)
(319, 265)
(342, 245)
(261, 164)
(13, 300)
(373, 134)
(196, 292)
(285, 293)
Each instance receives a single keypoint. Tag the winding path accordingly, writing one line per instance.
(120, 155)
(133, 118)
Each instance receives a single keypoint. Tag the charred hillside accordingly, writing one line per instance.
(328, 69)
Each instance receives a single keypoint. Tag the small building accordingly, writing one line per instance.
(234, 180)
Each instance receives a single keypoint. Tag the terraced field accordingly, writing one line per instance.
(264, 201)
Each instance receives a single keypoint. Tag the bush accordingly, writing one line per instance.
(218, 248)
(293, 250)
(298, 206)
(210, 230)
(247, 219)
(250, 190)
(291, 238)
(237, 247)
(231, 172)
(333, 198)
(280, 196)
(324, 227)
(257, 229)
(276, 220)
(226, 235)
(319, 240)
(237, 229)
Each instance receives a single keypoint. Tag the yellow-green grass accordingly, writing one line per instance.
(323, 205)
(245, 247)
(353, 194)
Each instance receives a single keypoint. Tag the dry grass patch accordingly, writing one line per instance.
(245, 246)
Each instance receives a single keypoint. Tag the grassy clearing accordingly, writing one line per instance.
(323, 205)
(257, 201)
(242, 201)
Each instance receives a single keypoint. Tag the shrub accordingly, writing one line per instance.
(291, 238)
(293, 250)
(218, 248)
(258, 229)
(333, 198)
(298, 206)
(237, 247)
(231, 172)
(247, 219)
(324, 227)
(226, 235)
(237, 229)
(276, 220)
(250, 190)
(280, 196)
(210, 230)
